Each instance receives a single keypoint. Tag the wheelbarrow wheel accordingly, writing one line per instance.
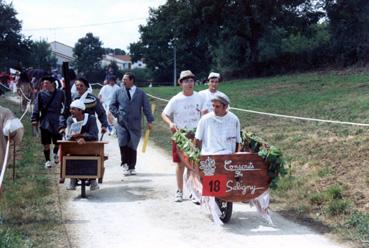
(225, 209)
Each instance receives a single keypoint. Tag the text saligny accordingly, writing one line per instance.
(238, 186)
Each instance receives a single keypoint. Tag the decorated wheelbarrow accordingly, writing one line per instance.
(82, 161)
(238, 177)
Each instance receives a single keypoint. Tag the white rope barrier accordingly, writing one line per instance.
(97, 84)
(284, 116)
(24, 95)
(5, 162)
(26, 110)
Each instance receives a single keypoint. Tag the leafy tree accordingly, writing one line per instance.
(41, 55)
(116, 51)
(14, 48)
(88, 53)
(349, 28)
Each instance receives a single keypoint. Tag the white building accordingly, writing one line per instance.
(62, 52)
(124, 62)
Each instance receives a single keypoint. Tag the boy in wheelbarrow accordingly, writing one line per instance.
(81, 127)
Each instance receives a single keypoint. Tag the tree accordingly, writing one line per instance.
(88, 53)
(41, 55)
(116, 51)
(14, 48)
(349, 28)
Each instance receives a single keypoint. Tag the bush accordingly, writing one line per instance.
(337, 207)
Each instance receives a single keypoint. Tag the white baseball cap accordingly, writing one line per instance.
(78, 104)
(214, 75)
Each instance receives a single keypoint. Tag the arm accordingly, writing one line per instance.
(36, 109)
(101, 114)
(167, 120)
(113, 107)
(92, 131)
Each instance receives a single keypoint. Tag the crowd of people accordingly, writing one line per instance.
(119, 110)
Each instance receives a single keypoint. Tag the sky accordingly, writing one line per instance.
(67, 21)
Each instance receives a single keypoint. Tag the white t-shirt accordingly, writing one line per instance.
(207, 95)
(107, 92)
(219, 135)
(185, 110)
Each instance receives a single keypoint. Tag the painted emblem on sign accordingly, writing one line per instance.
(208, 166)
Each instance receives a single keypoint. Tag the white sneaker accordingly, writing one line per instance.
(48, 164)
(56, 159)
(132, 172)
(179, 196)
(94, 185)
(72, 184)
(126, 171)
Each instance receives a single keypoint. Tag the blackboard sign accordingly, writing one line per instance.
(81, 166)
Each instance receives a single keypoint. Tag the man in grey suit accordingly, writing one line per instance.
(127, 105)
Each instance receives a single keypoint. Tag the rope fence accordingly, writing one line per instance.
(283, 116)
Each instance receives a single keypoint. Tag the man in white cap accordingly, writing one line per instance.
(208, 94)
(81, 127)
(218, 132)
(183, 111)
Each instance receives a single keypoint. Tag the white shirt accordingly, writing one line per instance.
(219, 135)
(132, 90)
(185, 110)
(207, 95)
(107, 92)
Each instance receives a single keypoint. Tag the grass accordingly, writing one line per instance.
(329, 169)
(29, 211)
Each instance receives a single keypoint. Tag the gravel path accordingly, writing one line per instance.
(138, 211)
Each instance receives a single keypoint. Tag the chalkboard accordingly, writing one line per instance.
(82, 166)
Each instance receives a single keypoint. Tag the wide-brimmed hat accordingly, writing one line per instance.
(214, 75)
(223, 98)
(78, 104)
(186, 74)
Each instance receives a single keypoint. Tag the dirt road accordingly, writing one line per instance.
(138, 211)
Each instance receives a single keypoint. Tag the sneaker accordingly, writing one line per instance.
(179, 196)
(94, 185)
(126, 171)
(72, 184)
(132, 172)
(56, 159)
(48, 164)
(194, 200)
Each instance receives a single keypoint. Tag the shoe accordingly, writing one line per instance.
(56, 159)
(94, 185)
(48, 164)
(194, 200)
(126, 171)
(132, 172)
(179, 196)
(72, 184)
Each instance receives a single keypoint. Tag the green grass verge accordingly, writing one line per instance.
(28, 206)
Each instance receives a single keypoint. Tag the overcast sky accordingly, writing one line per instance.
(68, 20)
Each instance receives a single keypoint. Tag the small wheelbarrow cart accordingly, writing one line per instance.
(82, 162)
(238, 177)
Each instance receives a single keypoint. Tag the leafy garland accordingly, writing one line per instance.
(183, 138)
(271, 154)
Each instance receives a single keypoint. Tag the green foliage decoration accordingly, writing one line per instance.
(271, 154)
(183, 139)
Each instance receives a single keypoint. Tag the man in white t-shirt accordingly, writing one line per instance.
(218, 132)
(208, 94)
(183, 111)
(105, 96)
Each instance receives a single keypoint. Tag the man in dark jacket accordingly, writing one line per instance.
(47, 112)
(126, 105)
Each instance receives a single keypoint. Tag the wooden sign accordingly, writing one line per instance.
(246, 176)
(81, 167)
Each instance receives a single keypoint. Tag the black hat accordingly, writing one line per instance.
(48, 78)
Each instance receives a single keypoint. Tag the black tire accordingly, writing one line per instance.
(226, 209)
